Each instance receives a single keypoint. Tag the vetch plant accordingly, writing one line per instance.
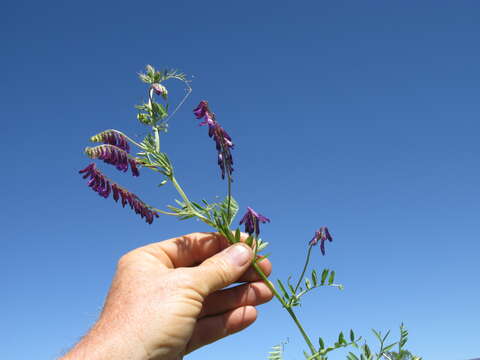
(115, 148)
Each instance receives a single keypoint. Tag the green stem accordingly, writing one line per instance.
(229, 194)
(188, 203)
(180, 191)
(302, 331)
(286, 306)
(163, 212)
(269, 284)
(157, 139)
(304, 269)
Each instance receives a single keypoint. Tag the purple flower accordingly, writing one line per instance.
(103, 186)
(114, 138)
(159, 89)
(252, 221)
(201, 110)
(223, 141)
(115, 156)
(321, 235)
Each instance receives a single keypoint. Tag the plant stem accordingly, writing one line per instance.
(304, 269)
(157, 139)
(286, 306)
(188, 203)
(269, 284)
(163, 212)
(302, 331)
(177, 185)
(229, 194)
(180, 191)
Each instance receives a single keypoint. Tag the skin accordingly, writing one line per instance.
(167, 299)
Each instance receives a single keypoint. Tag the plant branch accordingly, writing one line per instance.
(307, 260)
(157, 139)
(229, 194)
(286, 306)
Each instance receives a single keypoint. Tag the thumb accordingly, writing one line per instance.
(223, 268)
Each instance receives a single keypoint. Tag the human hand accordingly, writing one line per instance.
(166, 300)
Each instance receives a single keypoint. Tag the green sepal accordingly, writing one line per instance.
(237, 236)
(261, 244)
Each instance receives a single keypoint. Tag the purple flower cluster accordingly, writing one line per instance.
(103, 186)
(223, 141)
(115, 156)
(114, 138)
(159, 89)
(321, 235)
(252, 221)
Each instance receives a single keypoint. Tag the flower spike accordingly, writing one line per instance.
(321, 235)
(112, 137)
(113, 155)
(252, 221)
(201, 110)
(104, 187)
(223, 141)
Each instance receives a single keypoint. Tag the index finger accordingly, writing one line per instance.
(191, 250)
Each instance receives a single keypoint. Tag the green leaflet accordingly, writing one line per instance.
(276, 353)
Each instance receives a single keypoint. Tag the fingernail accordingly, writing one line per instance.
(239, 254)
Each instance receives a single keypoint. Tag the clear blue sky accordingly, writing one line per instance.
(359, 115)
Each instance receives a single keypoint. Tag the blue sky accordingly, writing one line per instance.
(359, 115)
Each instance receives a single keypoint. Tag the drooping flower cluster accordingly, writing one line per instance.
(321, 235)
(115, 156)
(252, 221)
(112, 137)
(104, 187)
(223, 141)
(159, 89)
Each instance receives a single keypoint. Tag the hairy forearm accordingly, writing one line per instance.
(106, 342)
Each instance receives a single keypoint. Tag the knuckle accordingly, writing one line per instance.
(126, 260)
(185, 279)
(222, 270)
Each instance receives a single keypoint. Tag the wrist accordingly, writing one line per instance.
(107, 342)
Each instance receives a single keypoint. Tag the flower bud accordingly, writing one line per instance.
(159, 89)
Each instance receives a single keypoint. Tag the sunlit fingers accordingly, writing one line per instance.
(252, 275)
(255, 293)
(212, 328)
